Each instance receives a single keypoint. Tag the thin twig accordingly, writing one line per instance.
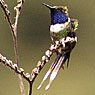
(13, 28)
(14, 67)
(17, 9)
(7, 15)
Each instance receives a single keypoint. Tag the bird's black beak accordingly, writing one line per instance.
(48, 6)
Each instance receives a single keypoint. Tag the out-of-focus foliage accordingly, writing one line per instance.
(33, 40)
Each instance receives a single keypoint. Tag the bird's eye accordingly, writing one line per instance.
(65, 10)
(60, 9)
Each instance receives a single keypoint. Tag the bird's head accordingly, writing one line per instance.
(59, 14)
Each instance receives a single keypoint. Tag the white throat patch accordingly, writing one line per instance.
(58, 27)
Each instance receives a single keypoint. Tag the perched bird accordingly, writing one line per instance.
(62, 28)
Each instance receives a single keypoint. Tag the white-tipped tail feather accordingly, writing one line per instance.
(54, 68)
(39, 87)
(54, 72)
(47, 87)
(52, 77)
(45, 77)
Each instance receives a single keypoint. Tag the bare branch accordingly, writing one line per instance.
(13, 28)
(4, 7)
(15, 25)
(17, 9)
(14, 67)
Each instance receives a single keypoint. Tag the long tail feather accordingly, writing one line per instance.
(45, 77)
(49, 71)
(60, 63)
(54, 68)
(55, 71)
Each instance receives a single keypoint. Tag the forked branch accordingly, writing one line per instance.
(13, 28)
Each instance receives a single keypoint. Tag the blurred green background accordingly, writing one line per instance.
(33, 40)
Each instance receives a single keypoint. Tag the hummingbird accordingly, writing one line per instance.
(62, 28)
